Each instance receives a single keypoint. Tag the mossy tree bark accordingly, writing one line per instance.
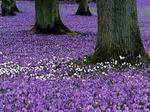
(9, 7)
(48, 19)
(118, 32)
(83, 8)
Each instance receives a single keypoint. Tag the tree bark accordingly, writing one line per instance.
(118, 32)
(48, 19)
(83, 8)
(9, 7)
(14, 6)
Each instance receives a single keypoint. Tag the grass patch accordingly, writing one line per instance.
(147, 12)
(73, 33)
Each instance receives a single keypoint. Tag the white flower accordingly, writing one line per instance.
(116, 62)
(95, 68)
(54, 65)
(54, 57)
(107, 62)
(105, 66)
(104, 73)
(139, 56)
(1, 53)
(75, 74)
(122, 57)
(133, 68)
(124, 63)
(90, 70)
(78, 69)
(49, 75)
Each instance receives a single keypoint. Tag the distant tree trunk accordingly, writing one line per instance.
(48, 19)
(83, 8)
(14, 6)
(94, 1)
(118, 32)
(9, 7)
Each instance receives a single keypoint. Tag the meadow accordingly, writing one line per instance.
(34, 75)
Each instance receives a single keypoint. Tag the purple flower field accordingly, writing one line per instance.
(34, 76)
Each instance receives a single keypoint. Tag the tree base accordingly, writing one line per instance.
(120, 60)
(15, 9)
(58, 28)
(7, 13)
(83, 12)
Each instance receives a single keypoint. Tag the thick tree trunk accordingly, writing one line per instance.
(118, 32)
(9, 7)
(83, 8)
(48, 19)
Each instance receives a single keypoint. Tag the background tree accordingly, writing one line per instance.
(9, 7)
(94, 0)
(83, 8)
(48, 18)
(118, 32)
(14, 6)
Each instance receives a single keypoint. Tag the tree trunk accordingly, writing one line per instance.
(94, 1)
(118, 32)
(14, 6)
(83, 8)
(9, 7)
(48, 19)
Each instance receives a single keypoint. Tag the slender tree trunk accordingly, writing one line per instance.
(118, 32)
(83, 8)
(48, 19)
(9, 7)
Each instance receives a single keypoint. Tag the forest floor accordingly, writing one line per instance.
(35, 78)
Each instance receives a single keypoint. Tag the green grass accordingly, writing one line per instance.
(147, 12)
